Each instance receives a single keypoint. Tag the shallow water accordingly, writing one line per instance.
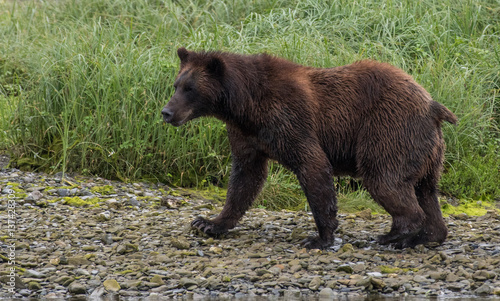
(272, 298)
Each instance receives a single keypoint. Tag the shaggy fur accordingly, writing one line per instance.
(368, 120)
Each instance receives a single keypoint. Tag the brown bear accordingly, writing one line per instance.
(368, 120)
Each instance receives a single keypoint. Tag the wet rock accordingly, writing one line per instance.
(77, 288)
(326, 294)
(63, 192)
(111, 285)
(420, 279)
(377, 283)
(33, 274)
(149, 250)
(7, 190)
(34, 196)
(34, 286)
(88, 248)
(126, 248)
(315, 283)
(98, 293)
(77, 261)
(103, 216)
(157, 279)
(345, 268)
(107, 238)
(484, 289)
(64, 280)
(25, 292)
(180, 243)
(292, 294)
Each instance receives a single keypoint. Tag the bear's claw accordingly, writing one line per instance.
(394, 237)
(315, 242)
(208, 227)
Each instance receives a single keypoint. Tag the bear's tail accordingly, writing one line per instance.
(442, 113)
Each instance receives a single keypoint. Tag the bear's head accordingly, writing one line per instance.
(198, 87)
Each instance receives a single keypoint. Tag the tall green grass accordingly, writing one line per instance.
(82, 83)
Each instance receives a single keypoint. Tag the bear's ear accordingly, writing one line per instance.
(183, 54)
(216, 66)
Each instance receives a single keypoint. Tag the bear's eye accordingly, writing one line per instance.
(188, 88)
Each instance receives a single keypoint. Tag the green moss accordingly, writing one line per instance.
(210, 192)
(387, 269)
(103, 190)
(79, 202)
(125, 272)
(15, 187)
(60, 187)
(18, 192)
(471, 208)
(21, 270)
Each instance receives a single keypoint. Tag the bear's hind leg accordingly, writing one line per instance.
(434, 229)
(317, 182)
(401, 203)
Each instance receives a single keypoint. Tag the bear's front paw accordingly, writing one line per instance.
(315, 242)
(208, 227)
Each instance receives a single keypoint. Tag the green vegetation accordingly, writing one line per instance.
(82, 83)
(470, 208)
(79, 202)
(103, 190)
(386, 269)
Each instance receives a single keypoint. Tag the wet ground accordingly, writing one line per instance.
(94, 239)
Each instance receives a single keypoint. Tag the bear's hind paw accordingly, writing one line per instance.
(315, 242)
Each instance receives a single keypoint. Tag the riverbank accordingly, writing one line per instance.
(94, 237)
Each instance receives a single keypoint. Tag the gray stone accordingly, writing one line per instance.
(33, 274)
(8, 191)
(25, 292)
(375, 274)
(98, 293)
(34, 196)
(34, 286)
(63, 192)
(420, 279)
(292, 294)
(345, 268)
(326, 294)
(315, 283)
(77, 288)
(484, 289)
(107, 238)
(180, 243)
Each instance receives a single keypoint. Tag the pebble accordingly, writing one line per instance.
(326, 294)
(34, 196)
(149, 250)
(77, 288)
(33, 274)
(111, 285)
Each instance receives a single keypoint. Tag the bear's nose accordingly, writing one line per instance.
(167, 115)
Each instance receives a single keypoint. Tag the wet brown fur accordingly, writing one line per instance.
(368, 120)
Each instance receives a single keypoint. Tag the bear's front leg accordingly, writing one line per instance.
(248, 174)
(317, 182)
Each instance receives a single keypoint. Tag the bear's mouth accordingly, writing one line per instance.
(175, 122)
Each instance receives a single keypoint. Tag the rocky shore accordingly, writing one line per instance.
(93, 237)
